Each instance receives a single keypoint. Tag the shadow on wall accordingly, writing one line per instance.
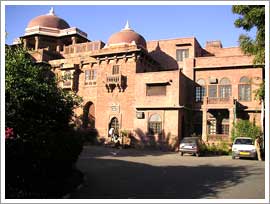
(165, 60)
(162, 141)
(143, 181)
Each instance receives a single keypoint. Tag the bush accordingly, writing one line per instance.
(41, 147)
(34, 168)
(244, 128)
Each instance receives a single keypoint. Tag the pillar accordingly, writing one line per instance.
(36, 42)
(74, 40)
(204, 125)
(25, 43)
(231, 121)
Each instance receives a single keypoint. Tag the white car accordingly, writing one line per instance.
(243, 147)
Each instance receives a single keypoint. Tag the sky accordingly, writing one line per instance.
(205, 22)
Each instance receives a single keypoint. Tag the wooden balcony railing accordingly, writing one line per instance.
(114, 79)
(208, 100)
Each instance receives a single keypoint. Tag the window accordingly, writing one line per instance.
(212, 126)
(67, 78)
(90, 77)
(212, 90)
(181, 54)
(225, 126)
(115, 69)
(244, 89)
(200, 90)
(155, 90)
(225, 88)
(199, 93)
(155, 124)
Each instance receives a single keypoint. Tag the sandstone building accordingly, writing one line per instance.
(160, 91)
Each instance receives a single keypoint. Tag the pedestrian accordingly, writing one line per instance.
(111, 133)
(258, 147)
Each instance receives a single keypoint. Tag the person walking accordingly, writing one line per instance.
(258, 147)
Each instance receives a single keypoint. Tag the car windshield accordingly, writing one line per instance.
(243, 141)
(189, 140)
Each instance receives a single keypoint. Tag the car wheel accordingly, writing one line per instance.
(181, 153)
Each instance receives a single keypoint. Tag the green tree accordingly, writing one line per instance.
(244, 128)
(252, 16)
(38, 112)
(34, 102)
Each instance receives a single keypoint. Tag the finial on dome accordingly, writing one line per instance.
(127, 26)
(51, 12)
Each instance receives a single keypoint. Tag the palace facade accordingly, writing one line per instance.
(159, 91)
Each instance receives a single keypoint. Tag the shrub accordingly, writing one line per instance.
(244, 128)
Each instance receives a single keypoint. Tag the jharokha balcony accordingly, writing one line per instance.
(218, 102)
(116, 80)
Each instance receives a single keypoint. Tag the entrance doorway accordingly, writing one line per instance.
(89, 115)
(114, 123)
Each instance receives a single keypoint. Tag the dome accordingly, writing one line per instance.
(127, 35)
(49, 20)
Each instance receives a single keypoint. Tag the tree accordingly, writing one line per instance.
(41, 146)
(34, 102)
(244, 128)
(252, 16)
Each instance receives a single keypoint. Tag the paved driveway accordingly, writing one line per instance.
(143, 174)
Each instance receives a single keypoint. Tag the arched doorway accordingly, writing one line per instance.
(89, 115)
(114, 123)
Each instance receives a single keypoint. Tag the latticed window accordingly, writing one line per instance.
(212, 91)
(181, 54)
(90, 76)
(225, 126)
(244, 89)
(225, 88)
(155, 124)
(212, 126)
(115, 69)
(200, 90)
(199, 93)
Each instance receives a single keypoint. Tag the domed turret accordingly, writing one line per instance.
(127, 35)
(49, 20)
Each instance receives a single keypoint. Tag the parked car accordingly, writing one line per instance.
(190, 145)
(243, 147)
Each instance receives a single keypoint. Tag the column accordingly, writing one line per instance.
(36, 42)
(204, 125)
(74, 40)
(231, 120)
(24, 43)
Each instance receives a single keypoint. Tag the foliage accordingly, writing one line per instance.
(252, 16)
(43, 146)
(221, 148)
(244, 128)
(260, 92)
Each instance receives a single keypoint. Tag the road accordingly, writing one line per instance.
(151, 174)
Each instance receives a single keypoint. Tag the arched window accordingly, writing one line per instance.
(155, 124)
(225, 88)
(200, 90)
(244, 89)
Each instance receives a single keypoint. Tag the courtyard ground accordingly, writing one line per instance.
(151, 174)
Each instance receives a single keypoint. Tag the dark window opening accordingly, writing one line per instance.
(155, 90)
(115, 69)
